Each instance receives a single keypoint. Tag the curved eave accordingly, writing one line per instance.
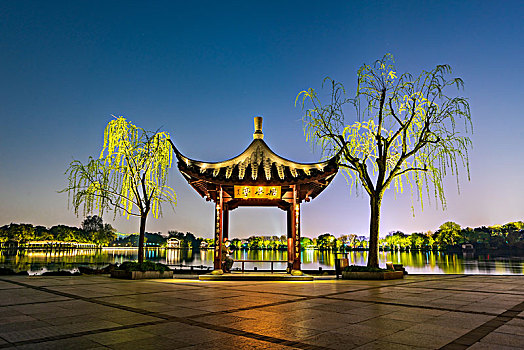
(257, 159)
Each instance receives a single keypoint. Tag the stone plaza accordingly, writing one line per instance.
(417, 312)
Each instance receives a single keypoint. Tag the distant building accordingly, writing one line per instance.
(9, 244)
(173, 243)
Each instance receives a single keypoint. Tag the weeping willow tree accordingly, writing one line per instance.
(129, 178)
(407, 132)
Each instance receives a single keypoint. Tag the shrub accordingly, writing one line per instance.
(356, 268)
(145, 266)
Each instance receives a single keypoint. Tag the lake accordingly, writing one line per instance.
(38, 261)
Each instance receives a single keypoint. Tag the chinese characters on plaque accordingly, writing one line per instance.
(266, 192)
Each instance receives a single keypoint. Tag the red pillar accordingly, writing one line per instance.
(296, 229)
(218, 231)
(225, 224)
(290, 241)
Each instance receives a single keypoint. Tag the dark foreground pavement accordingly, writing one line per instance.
(424, 311)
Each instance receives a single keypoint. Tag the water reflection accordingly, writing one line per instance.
(415, 262)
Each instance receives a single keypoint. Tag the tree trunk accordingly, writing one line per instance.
(375, 202)
(143, 218)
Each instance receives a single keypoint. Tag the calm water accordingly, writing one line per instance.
(37, 261)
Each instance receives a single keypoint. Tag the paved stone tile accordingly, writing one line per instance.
(447, 303)
(79, 343)
(10, 297)
(256, 326)
(16, 326)
(7, 311)
(146, 305)
(7, 285)
(414, 315)
(483, 308)
(184, 312)
(348, 318)
(152, 343)
(133, 319)
(195, 335)
(459, 320)
(322, 324)
(299, 315)
(337, 306)
(382, 345)
(32, 333)
(289, 332)
(415, 300)
(166, 329)
(515, 340)
(14, 318)
(80, 307)
(377, 309)
(57, 321)
(431, 341)
(364, 331)
(235, 343)
(253, 314)
(55, 313)
(31, 309)
(112, 314)
(516, 322)
(88, 326)
(292, 308)
(424, 328)
(470, 296)
(387, 323)
(120, 336)
(220, 319)
(348, 304)
(337, 340)
(488, 346)
(216, 307)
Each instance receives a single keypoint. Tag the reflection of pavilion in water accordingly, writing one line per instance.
(186, 256)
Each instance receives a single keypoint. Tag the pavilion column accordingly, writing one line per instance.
(218, 230)
(296, 229)
(225, 224)
(290, 236)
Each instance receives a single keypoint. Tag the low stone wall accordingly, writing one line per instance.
(389, 275)
(137, 275)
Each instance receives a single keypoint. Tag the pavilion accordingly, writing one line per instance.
(257, 177)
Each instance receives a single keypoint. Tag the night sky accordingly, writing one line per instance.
(202, 70)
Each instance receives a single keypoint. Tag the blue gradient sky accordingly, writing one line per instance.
(202, 70)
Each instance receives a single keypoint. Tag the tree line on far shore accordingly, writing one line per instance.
(92, 230)
(449, 237)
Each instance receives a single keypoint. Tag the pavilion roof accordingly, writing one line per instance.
(257, 164)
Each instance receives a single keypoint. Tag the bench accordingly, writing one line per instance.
(396, 267)
(270, 261)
